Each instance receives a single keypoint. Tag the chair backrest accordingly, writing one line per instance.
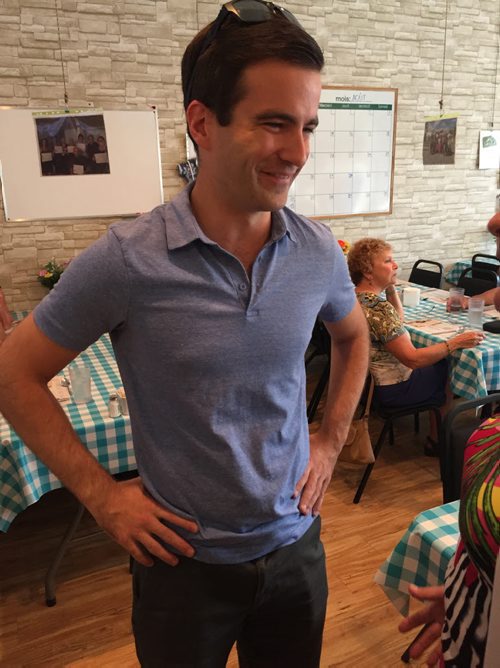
(483, 261)
(474, 281)
(457, 429)
(321, 338)
(366, 397)
(422, 274)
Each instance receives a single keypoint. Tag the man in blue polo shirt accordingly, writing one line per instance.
(210, 302)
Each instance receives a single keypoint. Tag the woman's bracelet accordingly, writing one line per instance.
(448, 348)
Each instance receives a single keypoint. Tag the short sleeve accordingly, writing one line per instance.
(384, 322)
(340, 298)
(91, 297)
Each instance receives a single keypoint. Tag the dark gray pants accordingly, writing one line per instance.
(273, 607)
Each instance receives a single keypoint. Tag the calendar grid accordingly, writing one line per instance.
(349, 170)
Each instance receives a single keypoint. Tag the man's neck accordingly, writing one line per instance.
(243, 234)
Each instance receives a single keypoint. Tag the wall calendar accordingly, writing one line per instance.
(350, 168)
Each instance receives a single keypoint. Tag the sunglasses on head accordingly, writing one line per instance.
(247, 11)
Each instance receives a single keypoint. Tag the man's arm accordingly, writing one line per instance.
(349, 365)
(28, 360)
(5, 317)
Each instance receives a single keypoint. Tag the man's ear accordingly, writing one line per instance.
(199, 119)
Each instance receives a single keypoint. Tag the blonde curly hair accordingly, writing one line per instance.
(361, 255)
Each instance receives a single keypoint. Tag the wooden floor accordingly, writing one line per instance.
(90, 625)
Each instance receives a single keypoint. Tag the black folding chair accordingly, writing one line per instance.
(475, 281)
(483, 261)
(423, 275)
(320, 345)
(458, 425)
(388, 415)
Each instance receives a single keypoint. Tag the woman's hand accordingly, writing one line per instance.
(432, 615)
(464, 303)
(467, 339)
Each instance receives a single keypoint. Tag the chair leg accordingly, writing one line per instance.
(376, 450)
(50, 577)
(310, 356)
(318, 393)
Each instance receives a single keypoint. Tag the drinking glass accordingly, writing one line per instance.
(455, 302)
(476, 307)
(79, 376)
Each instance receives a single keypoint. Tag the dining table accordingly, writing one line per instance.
(422, 554)
(454, 271)
(474, 372)
(107, 433)
(24, 479)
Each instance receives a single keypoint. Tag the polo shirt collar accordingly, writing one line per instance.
(181, 227)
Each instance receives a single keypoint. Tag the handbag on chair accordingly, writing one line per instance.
(358, 446)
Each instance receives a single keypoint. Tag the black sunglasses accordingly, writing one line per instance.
(247, 11)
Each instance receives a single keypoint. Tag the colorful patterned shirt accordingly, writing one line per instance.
(470, 575)
(385, 325)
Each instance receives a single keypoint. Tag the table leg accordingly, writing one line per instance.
(50, 577)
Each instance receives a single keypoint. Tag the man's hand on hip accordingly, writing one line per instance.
(313, 484)
(132, 518)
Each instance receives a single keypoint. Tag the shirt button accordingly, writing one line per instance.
(242, 286)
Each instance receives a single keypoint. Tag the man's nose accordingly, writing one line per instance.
(296, 148)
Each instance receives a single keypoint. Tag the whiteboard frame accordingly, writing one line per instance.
(134, 184)
(360, 90)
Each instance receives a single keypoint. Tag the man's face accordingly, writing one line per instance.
(254, 160)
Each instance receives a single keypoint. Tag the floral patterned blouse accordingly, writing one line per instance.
(385, 325)
(470, 575)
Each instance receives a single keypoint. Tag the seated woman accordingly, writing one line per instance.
(403, 374)
(458, 613)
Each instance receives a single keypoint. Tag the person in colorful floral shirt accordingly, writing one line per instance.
(458, 613)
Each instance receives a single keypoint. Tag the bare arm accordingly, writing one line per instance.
(5, 317)
(28, 360)
(415, 358)
(349, 365)
(488, 297)
(393, 298)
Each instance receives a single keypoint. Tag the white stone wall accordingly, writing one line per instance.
(126, 55)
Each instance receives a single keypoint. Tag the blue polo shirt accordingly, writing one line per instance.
(212, 361)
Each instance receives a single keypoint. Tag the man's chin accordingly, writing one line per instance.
(277, 200)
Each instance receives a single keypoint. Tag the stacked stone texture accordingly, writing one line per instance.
(126, 55)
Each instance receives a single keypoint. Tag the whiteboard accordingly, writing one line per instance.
(133, 184)
(350, 170)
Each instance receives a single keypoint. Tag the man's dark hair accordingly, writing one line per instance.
(214, 78)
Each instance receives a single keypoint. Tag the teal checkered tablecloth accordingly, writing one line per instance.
(473, 371)
(24, 478)
(422, 554)
(453, 273)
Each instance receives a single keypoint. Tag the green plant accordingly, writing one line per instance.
(51, 272)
